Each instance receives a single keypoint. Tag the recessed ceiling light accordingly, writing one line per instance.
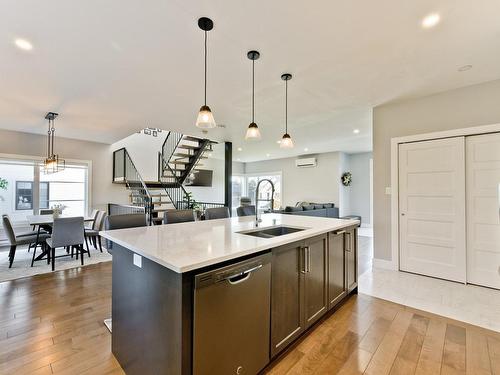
(23, 44)
(356, 131)
(268, 155)
(431, 20)
(240, 149)
(306, 149)
(238, 159)
(465, 68)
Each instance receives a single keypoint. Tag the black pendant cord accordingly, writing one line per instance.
(53, 131)
(48, 142)
(205, 67)
(286, 107)
(253, 91)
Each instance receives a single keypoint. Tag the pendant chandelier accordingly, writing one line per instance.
(205, 118)
(52, 163)
(253, 132)
(286, 140)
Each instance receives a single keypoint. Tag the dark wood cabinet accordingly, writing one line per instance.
(287, 295)
(315, 278)
(337, 283)
(299, 294)
(351, 253)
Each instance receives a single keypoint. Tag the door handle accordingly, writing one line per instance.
(242, 276)
(306, 260)
(348, 242)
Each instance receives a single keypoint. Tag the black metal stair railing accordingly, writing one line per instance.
(125, 171)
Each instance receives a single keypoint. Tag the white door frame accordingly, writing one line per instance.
(475, 130)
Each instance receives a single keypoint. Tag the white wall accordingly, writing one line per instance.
(214, 193)
(465, 107)
(359, 196)
(143, 150)
(344, 191)
(319, 184)
(103, 191)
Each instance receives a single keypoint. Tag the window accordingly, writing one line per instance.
(24, 195)
(44, 195)
(67, 187)
(245, 186)
(265, 190)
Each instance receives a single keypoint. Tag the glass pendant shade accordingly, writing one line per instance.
(205, 118)
(286, 141)
(53, 164)
(253, 132)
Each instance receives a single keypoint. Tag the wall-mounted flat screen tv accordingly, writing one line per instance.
(202, 178)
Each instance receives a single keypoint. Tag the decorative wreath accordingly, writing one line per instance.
(346, 179)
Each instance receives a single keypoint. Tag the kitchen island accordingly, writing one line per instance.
(224, 296)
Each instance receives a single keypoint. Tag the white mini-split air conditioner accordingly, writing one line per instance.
(306, 162)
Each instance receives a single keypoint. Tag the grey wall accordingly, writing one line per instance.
(465, 107)
(359, 195)
(103, 191)
(317, 184)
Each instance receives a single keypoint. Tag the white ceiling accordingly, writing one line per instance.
(111, 68)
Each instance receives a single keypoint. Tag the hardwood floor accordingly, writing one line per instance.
(53, 324)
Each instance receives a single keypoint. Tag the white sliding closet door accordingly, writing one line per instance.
(483, 210)
(432, 208)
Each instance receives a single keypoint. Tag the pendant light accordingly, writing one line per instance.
(205, 118)
(253, 132)
(286, 140)
(52, 163)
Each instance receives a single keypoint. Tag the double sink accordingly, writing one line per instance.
(271, 232)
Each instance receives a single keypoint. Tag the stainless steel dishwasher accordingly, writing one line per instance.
(232, 318)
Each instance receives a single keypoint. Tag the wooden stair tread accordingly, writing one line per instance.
(188, 147)
(191, 139)
(185, 156)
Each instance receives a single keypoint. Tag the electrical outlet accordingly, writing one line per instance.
(388, 191)
(137, 261)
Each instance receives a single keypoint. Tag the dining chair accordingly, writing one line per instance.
(16, 240)
(122, 222)
(217, 213)
(178, 216)
(66, 232)
(245, 211)
(93, 215)
(93, 233)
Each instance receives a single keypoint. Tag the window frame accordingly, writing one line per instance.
(31, 183)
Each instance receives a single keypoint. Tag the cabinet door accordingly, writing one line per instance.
(316, 278)
(351, 253)
(336, 268)
(287, 295)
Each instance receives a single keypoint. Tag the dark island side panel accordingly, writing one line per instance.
(151, 318)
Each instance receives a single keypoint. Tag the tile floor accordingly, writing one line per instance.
(468, 303)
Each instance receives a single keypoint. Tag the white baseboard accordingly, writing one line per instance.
(385, 264)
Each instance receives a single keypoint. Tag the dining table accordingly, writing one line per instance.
(42, 220)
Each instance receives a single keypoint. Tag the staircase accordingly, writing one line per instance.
(179, 160)
(125, 172)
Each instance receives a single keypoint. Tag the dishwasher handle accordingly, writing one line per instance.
(241, 276)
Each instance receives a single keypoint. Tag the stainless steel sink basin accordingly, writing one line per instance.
(272, 231)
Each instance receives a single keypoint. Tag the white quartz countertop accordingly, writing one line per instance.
(186, 247)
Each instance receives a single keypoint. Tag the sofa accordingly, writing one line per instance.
(313, 209)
